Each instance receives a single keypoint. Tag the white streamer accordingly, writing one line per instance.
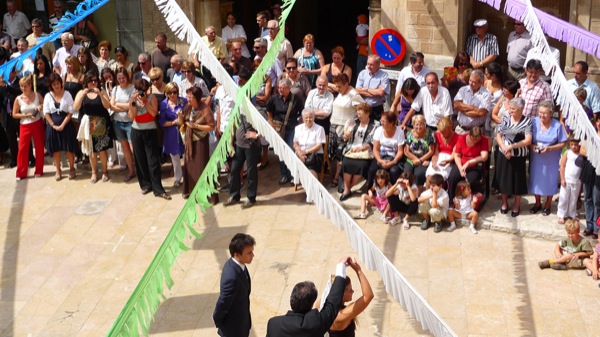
(374, 259)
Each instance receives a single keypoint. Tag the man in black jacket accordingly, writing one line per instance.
(303, 320)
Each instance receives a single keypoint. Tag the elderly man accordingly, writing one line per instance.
(482, 46)
(145, 62)
(68, 48)
(174, 74)
(27, 67)
(234, 33)
(286, 50)
(48, 48)
(260, 48)
(519, 43)
(303, 319)
(215, 44)
(533, 89)
(240, 60)
(434, 103)
(320, 100)
(283, 111)
(581, 80)
(161, 57)
(373, 85)
(16, 23)
(261, 20)
(473, 103)
(416, 70)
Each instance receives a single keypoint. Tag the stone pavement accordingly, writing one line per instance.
(73, 252)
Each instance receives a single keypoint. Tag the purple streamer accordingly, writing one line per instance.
(561, 30)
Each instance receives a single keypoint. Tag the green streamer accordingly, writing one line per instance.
(139, 310)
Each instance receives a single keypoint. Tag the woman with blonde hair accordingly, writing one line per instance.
(169, 110)
(28, 109)
(74, 76)
(310, 59)
(419, 148)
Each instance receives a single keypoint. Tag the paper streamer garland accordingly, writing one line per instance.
(137, 312)
(68, 20)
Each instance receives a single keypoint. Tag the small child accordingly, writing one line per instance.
(571, 164)
(434, 203)
(464, 206)
(591, 265)
(376, 196)
(406, 202)
(571, 252)
(362, 30)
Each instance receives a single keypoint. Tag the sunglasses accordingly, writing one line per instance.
(172, 92)
(291, 68)
(154, 79)
(36, 26)
(142, 63)
(120, 50)
(256, 47)
(94, 81)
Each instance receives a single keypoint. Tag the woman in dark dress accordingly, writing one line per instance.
(42, 71)
(514, 137)
(199, 121)
(74, 76)
(60, 131)
(93, 101)
(143, 108)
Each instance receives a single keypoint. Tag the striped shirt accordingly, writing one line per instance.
(479, 50)
(513, 133)
(481, 99)
(533, 95)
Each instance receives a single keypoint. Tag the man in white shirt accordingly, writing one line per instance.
(320, 100)
(27, 67)
(434, 103)
(373, 85)
(16, 23)
(416, 70)
(234, 33)
(516, 50)
(286, 50)
(69, 48)
(472, 103)
(145, 62)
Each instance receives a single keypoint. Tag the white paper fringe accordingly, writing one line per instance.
(373, 258)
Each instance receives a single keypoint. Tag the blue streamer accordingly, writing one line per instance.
(68, 20)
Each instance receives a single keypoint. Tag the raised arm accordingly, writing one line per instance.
(354, 309)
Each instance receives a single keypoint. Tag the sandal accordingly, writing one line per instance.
(535, 209)
(105, 177)
(72, 174)
(58, 176)
(94, 178)
(561, 221)
(128, 177)
(164, 195)
(361, 216)
(405, 224)
(146, 191)
(334, 183)
(546, 212)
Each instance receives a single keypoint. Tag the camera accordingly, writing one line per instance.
(142, 93)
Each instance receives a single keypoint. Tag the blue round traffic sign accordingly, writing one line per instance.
(389, 45)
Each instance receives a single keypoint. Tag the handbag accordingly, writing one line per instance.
(365, 154)
(279, 126)
(310, 159)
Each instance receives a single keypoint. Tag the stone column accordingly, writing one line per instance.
(374, 17)
(208, 12)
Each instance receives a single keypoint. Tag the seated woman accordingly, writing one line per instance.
(358, 151)
(453, 78)
(308, 143)
(419, 148)
(388, 148)
(471, 150)
(442, 160)
(344, 324)
(514, 137)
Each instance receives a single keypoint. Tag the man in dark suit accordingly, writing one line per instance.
(232, 312)
(303, 320)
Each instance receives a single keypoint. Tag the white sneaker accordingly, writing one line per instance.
(405, 224)
(451, 227)
(393, 221)
(472, 228)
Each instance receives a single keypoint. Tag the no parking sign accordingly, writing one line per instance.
(389, 45)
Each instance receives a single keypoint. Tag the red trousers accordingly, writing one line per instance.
(33, 130)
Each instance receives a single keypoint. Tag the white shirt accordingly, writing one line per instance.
(319, 102)
(27, 67)
(65, 104)
(407, 73)
(344, 107)
(17, 25)
(237, 31)
(60, 57)
(389, 146)
(285, 52)
(433, 110)
(226, 104)
(443, 199)
(308, 138)
(481, 99)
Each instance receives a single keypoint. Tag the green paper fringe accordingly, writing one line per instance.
(141, 306)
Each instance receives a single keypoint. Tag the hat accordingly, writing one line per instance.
(277, 6)
(480, 23)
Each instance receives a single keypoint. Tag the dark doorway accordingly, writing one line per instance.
(332, 22)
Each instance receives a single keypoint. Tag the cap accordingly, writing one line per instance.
(480, 23)
(277, 6)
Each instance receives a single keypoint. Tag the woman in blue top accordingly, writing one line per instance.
(170, 109)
